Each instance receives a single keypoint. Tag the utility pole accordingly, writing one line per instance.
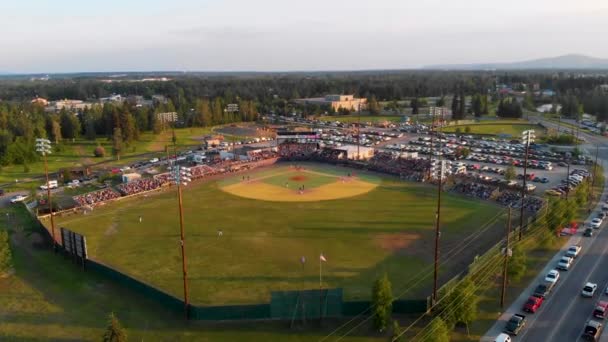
(437, 229)
(182, 175)
(43, 146)
(359, 132)
(597, 151)
(527, 136)
(505, 263)
(432, 140)
(568, 157)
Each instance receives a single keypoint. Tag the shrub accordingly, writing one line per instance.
(99, 151)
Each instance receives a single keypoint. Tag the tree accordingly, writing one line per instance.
(373, 106)
(99, 151)
(397, 336)
(70, 125)
(117, 142)
(477, 106)
(440, 102)
(382, 302)
(517, 263)
(5, 253)
(456, 108)
(56, 131)
(467, 310)
(463, 104)
(467, 129)
(510, 173)
(438, 331)
(114, 332)
(414, 104)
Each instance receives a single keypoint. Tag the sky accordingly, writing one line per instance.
(43, 36)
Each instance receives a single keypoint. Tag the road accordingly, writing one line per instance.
(562, 317)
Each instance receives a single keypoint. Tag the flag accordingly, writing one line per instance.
(322, 257)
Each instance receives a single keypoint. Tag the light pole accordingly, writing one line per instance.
(43, 146)
(182, 175)
(527, 138)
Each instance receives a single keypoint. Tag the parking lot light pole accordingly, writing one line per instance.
(527, 137)
(181, 176)
(43, 146)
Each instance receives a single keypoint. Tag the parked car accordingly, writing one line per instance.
(573, 251)
(588, 232)
(589, 290)
(18, 198)
(543, 289)
(515, 324)
(552, 276)
(52, 184)
(596, 223)
(1, 192)
(564, 263)
(601, 309)
(533, 304)
(503, 338)
(593, 330)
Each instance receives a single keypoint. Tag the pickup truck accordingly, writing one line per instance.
(515, 324)
(600, 310)
(532, 304)
(593, 330)
(564, 263)
(573, 251)
(543, 289)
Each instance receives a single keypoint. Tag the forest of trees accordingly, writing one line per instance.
(201, 99)
(21, 123)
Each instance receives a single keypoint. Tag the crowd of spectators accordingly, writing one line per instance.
(262, 155)
(95, 197)
(476, 190)
(297, 151)
(406, 168)
(140, 185)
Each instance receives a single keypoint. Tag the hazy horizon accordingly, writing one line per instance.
(67, 36)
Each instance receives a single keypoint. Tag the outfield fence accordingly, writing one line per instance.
(284, 305)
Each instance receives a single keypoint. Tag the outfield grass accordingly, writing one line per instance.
(51, 299)
(513, 129)
(385, 230)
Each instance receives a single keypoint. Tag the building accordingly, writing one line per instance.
(130, 177)
(337, 102)
(116, 98)
(40, 101)
(440, 112)
(70, 105)
(355, 152)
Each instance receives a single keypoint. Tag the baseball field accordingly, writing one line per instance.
(254, 232)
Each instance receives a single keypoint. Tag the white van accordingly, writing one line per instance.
(52, 185)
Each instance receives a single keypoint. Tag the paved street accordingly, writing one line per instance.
(563, 315)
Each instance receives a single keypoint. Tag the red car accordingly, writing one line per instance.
(533, 304)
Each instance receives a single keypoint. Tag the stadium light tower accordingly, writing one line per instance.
(43, 146)
(181, 176)
(527, 138)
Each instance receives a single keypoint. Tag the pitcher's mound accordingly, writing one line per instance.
(298, 178)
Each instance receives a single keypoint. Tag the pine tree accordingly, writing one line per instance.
(5, 253)
(117, 142)
(114, 332)
(382, 302)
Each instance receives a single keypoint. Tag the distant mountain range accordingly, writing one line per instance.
(560, 62)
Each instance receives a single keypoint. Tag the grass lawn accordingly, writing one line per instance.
(513, 129)
(80, 153)
(387, 229)
(50, 299)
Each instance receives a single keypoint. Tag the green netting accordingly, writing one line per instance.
(306, 304)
